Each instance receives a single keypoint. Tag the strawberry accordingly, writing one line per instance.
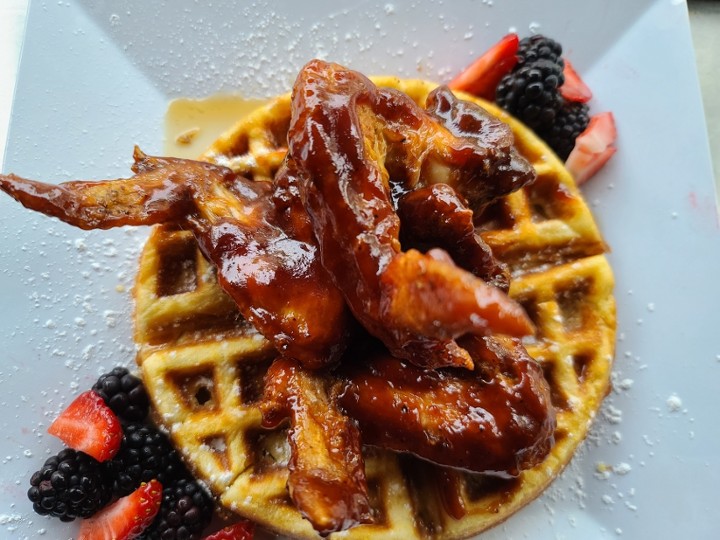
(127, 517)
(482, 76)
(243, 530)
(90, 426)
(574, 89)
(593, 147)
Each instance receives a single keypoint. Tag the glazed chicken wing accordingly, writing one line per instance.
(267, 259)
(497, 418)
(327, 475)
(480, 161)
(436, 216)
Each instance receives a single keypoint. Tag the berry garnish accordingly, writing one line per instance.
(539, 47)
(482, 76)
(243, 530)
(574, 89)
(185, 511)
(530, 93)
(545, 92)
(70, 485)
(593, 147)
(145, 453)
(124, 393)
(570, 121)
(127, 517)
(90, 426)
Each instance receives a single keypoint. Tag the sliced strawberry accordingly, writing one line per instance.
(244, 530)
(127, 517)
(574, 89)
(593, 147)
(482, 76)
(90, 426)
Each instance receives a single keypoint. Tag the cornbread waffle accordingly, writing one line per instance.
(203, 365)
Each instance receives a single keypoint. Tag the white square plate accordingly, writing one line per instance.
(95, 79)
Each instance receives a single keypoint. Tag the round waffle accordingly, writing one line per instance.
(203, 364)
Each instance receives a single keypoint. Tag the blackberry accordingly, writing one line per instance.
(538, 47)
(185, 511)
(70, 484)
(531, 93)
(570, 121)
(124, 393)
(145, 453)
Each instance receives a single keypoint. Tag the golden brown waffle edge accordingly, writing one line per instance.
(203, 365)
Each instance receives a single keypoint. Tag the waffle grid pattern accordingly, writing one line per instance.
(203, 365)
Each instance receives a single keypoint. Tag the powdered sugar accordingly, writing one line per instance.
(674, 403)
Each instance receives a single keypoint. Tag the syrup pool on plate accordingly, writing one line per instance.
(191, 125)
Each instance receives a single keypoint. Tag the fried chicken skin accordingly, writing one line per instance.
(348, 140)
(481, 162)
(266, 256)
(437, 216)
(495, 419)
(327, 472)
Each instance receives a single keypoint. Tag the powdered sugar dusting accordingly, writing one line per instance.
(9, 519)
(674, 403)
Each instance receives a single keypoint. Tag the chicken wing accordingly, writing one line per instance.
(436, 216)
(496, 419)
(327, 472)
(267, 259)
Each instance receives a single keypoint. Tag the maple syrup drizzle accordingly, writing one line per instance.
(191, 125)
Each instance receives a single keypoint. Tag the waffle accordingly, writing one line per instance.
(203, 364)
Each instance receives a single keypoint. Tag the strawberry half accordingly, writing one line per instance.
(127, 517)
(482, 76)
(90, 426)
(574, 89)
(593, 147)
(244, 530)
